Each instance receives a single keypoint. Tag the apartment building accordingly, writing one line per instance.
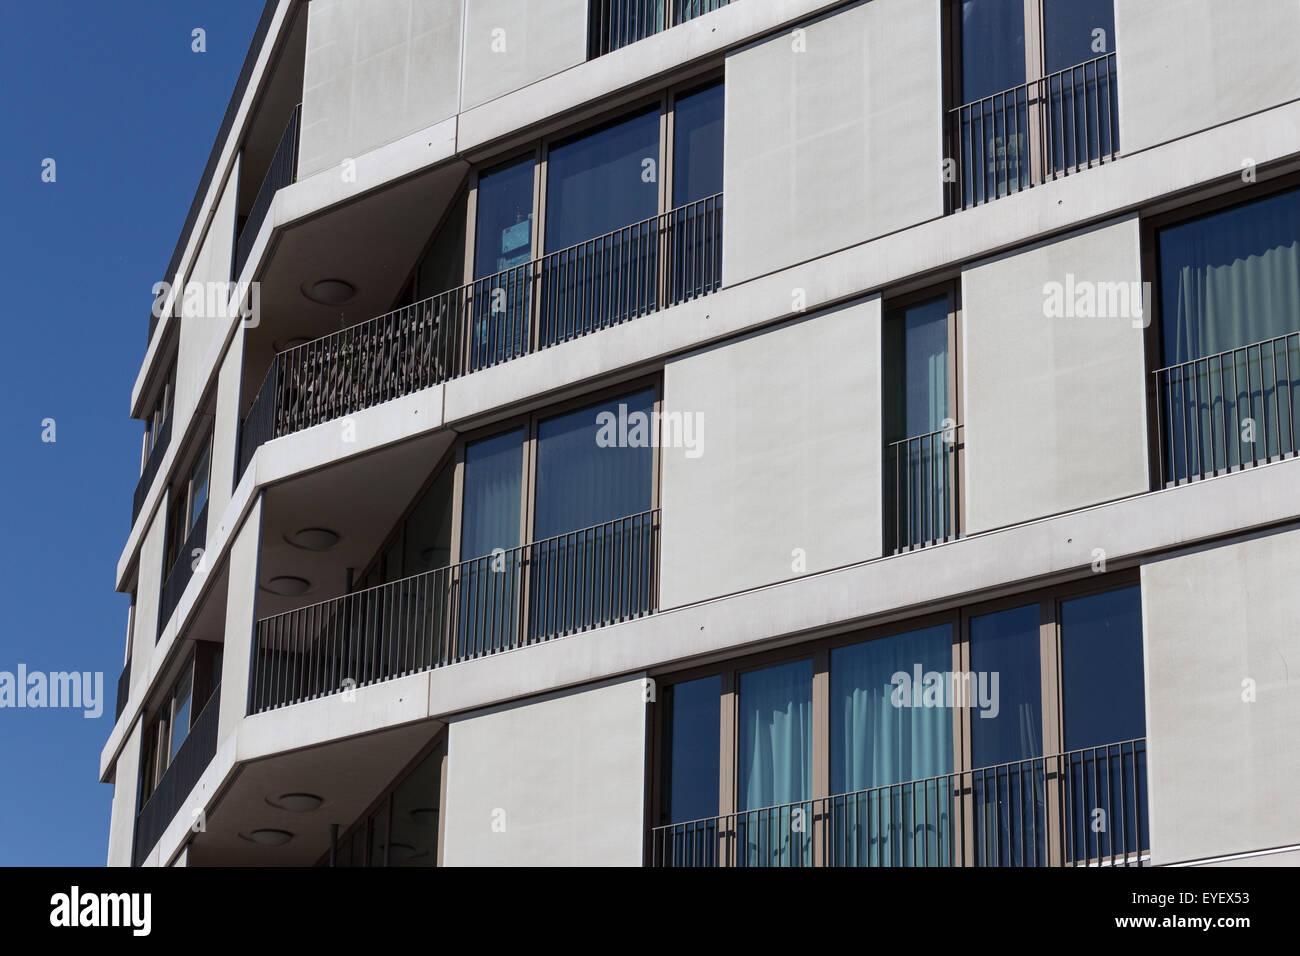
(706, 433)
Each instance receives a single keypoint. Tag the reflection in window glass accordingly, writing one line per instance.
(775, 740)
(1075, 31)
(691, 744)
(181, 721)
(426, 534)
(199, 485)
(992, 47)
(1101, 669)
(602, 180)
(593, 466)
(379, 836)
(503, 236)
(493, 476)
(1005, 645)
(697, 145)
(415, 815)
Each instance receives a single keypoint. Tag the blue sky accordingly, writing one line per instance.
(115, 95)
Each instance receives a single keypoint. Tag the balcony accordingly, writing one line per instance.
(614, 278)
(182, 570)
(612, 24)
(922, 507)
(187, 765)
(1045, 129)
(1228, 411)
(151, 467)
(123, 690)
(283, 172)
(1080, 808)
(547, 589)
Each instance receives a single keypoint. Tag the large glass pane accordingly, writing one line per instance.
(1229, 317)
(415, 815)
(891, 742)
(488, 582)
(992, 125)
(379, 837)
(697, 144)
(695, 226)
(591, 562)
(597, 183)
(1082, 108)
(1076, 30)
(1103, 705)
(199, 476)
(502, 250)
(692, 737)
(992, 47)
(1007, 741)
(182, 702)
(920, 459)
(775, 825)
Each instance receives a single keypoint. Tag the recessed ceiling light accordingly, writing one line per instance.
(297, 802)
(268, 837)
(400, 852)
(288, 586)
(425, 816)
(330, 291)
(313, 539)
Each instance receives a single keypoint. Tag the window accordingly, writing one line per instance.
(188, 510)
(920, 425)
(1010, 734)
(401, 829)
(1035, 80)
(1229, 337)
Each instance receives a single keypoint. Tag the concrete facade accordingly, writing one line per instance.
(824, 148)
(813, 442)
(1054, 398)
(376, 71)
(1221, 624)
(773, 534)
(551, 781)
(1189, 65)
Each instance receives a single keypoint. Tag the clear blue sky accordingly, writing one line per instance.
(113, 93)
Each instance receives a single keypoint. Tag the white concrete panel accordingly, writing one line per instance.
(1224, 754)
(126, 778)
(786, 458)
(241, 613)
(1188, 65)
(225, 433)
(204, 320)
(1054, 405)
(557, 781)
(149, 587)
(511, 43)
(833, 135)
(376, 71)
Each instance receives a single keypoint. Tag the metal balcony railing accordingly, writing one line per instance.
(649, 265)
(178, 780)
(561, 585)
(282, 172)
(151, 466)
(616, 23)
(1054, 126)
(1081, 808)
(178, 578)
(921, 485)
(1228, 411)
(123, 689)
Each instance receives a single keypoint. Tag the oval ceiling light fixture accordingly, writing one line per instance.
(267, 837)
(330, 291)
(425, 816)
(297, 802)
(313, 539)
(288, 586)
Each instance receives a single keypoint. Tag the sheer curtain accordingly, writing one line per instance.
(1230, 282)
(881, 744)
(488, 584)
(775, 764)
